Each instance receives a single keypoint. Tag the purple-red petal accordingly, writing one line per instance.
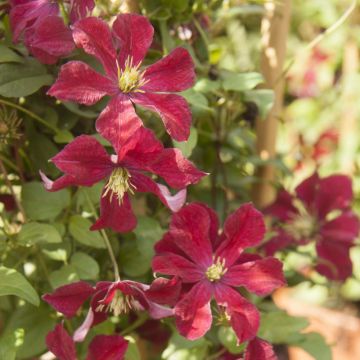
(93, 35)
(59, 342)
(115, 215)
(193, 313)
(260, 276)
(134, 33)
(243, 228)
(80, 9)
(283, 208)
(164, 291)
(68, 299)
(173, 73)
(173, 110)
(259, 349)
(107, 347)
(78, 82)
(244, 317)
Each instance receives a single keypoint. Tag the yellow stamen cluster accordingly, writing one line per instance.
(130, 78)
(216, 270)
(118, 184)
(222, 318)
(120, 304)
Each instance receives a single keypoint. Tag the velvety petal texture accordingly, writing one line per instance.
(210, 265)
(259, 349)
(107, 347)
(60, 343)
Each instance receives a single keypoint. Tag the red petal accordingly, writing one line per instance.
(279, 241)
(141, 149)
(143, 183)
(68, 299)
(283, 207)
(50, 36)
(78, 82)
(118, 122)
(80, 9)
(193, 314)
(84, 159)
(172, 264)
(175, 169)
(244, 316)
(259, 349)
(107, 347)
(24, 15)
(118, 217)
(306, 191)
(93, 35)
(175, 72)
(244, 228)
(164, 291)
(344, 228)
(61, 183)
(260, 276)
(61, 344)
(190, 227)
(173, 110)
(334, 260)
(135, 35)
(334, 192)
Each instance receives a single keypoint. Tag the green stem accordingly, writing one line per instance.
(105, 237)
(31, 114)
(137, 323)
(217, 354)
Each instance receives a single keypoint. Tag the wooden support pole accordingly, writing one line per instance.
(130, 6)
(274, 28)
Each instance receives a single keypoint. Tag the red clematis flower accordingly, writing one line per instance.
(124, 80)
(319, 211)
(102, 347)
(85, 162)
(45, 33)
(211, 266)
(116, 297)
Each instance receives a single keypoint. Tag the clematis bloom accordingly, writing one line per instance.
(85, 162)
(124, 80)
(102, 347)
(106, 297)
(319, 211)
(46, 35)
(212, 266)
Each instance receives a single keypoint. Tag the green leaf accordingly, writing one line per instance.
(132, 352)
(229, 339)
(180, 348)
(188, 146)
(36, 325)
(36, 233)
(65, 275)
(14, 283)
(279, 328)
(79, 229)
(315, 345)
(40, 204)
(205, 85)
(148, 232)
(86, 267)
(63, 137)
(263, 98)
(8, 55)
(241, 82)
(9, 344)
(23, 79)
(57, 254)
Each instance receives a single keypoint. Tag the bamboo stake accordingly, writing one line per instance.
(130, 6)
(274, 29)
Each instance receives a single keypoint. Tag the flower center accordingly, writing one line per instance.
(216, 270)
(130, 78)
(118, 184)
(120, 304)
(302, 226)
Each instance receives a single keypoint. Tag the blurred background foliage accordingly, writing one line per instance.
(318, 129)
